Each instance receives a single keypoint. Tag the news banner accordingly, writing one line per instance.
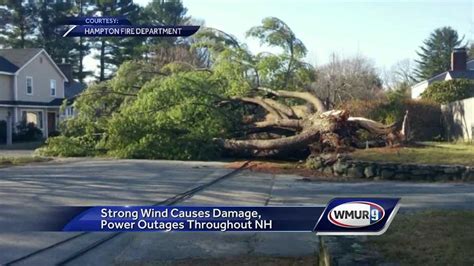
(118, 27)
(341, 216)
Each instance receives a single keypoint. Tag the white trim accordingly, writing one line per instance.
(15, 87)
(7, 73)
(50, 59)
(15, 109)
(45, 123)
(32, 87)
(30, 106)
(51, 87)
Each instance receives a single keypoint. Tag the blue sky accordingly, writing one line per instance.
(384, 31)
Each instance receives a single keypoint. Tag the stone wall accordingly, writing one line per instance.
(345, 166)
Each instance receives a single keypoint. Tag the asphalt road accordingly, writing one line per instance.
(133, 182)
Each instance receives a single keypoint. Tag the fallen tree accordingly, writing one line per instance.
(186, 111)
(308, 126)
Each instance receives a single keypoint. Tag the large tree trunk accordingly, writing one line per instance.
(310, 134)
(313, 127)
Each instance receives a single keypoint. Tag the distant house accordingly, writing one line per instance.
(33, 87)
(460, 69)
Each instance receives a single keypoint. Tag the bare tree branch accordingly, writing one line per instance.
(372, 126)
(315, 101)
(288, 123)
(280, 107)
(262, 103)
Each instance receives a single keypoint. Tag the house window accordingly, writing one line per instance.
(69, 112)
(34, 117)
(53, 87)
(29, 85)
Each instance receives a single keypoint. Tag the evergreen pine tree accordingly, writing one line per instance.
(435, 54)
(17, 24)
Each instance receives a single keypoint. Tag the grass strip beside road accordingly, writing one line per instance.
(428, 238)
(12, 161)
(431, 153)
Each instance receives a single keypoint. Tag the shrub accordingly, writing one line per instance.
(27, 132)
(171, 118)
(54, 133)
(67, 147)
(449, 91)
(425, 120)
(424, 116)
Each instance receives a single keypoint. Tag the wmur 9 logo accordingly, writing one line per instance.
(357, 216)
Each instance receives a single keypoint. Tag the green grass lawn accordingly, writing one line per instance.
(429, 153)
(428, 238)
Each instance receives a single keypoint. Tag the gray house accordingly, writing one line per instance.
(461, 68)
(32, 88)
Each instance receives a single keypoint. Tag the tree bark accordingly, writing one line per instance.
(372, 126)
(279, 107)
(306, 137)
(288, 123)
(313, 100)
(293, 142)
(329, 130)
(259, 101)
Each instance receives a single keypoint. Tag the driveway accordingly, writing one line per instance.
(133, 182)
